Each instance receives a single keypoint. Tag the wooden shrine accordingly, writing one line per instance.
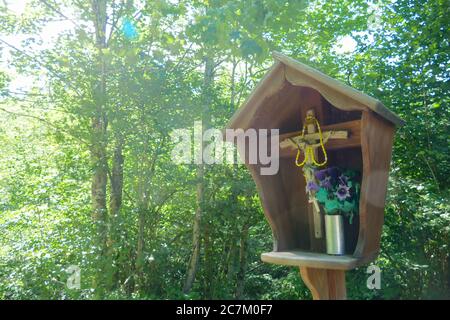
(359, 131)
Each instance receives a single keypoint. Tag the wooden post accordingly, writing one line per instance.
(325, 284)
(316, 238)
(317, 218)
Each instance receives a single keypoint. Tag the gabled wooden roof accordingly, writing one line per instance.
(296, 73)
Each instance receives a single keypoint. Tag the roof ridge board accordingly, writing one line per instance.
(371, 102)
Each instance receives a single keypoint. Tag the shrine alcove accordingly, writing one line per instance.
(281, 101)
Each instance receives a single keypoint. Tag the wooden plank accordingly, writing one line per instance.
(311, 138)
(316, 281)
(317, 218)
(325, 284)
(311, 100)
(377, 138)
(270, 84)
(336, 285)
(341, 88)
(294, 182)
(354, 138)
(301, 258)
(274, 200)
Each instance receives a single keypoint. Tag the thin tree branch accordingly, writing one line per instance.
(181, 59)
(158, 207)
(115, 19)
(54, 9)
(50, 124)
(436, 181)
(50, 69)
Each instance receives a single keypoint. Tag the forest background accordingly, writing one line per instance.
(91, 90)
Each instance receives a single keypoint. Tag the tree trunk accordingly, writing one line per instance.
(142, 205)
(99, 152)
(99, 212)
(240, 281)
(115, 203)
(209, 267)
(140, 250)
(146, 170)
(196, 236)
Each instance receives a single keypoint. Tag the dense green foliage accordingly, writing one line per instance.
(86, 176)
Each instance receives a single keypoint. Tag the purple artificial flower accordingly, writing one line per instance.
(312, 186)
(326, 183)
(321, 174)
(333, 172)
(343, 192)
(343, 179)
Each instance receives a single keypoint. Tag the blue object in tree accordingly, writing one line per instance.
(129, 30)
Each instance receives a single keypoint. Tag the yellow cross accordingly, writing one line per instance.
(308, 144)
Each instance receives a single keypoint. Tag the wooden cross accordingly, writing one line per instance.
(311, 140)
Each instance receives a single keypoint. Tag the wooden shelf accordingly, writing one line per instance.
(353, 140)
(301, 258)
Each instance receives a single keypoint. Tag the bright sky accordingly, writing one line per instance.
(19, 82)
(18, 7)
(345, 45)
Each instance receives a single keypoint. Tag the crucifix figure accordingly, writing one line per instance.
(308, 143)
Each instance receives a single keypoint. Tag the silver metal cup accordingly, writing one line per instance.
(334, 231)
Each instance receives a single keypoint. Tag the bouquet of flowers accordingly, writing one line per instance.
(337, 190)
